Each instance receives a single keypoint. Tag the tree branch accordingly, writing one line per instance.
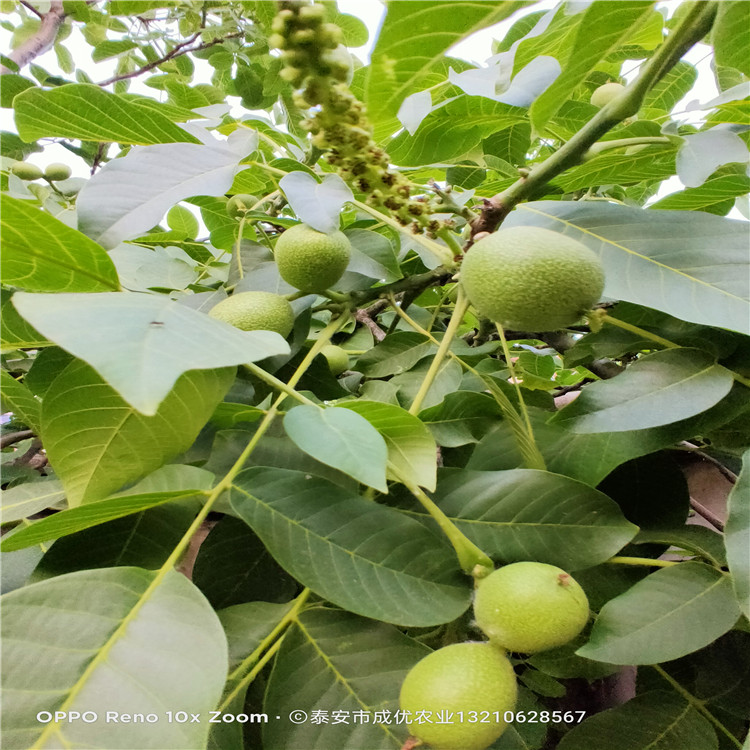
(181, 49)
(691, 30)
(419, 282)
(15, 437)
(41, 41)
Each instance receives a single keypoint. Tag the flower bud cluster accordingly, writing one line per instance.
(318, 68)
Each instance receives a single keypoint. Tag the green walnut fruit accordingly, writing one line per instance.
(256, 311)
(531, 279)
(238, 204)
(464, 677)
(338, 359)
(309, 260)
(57, 171)
(606, 93)
(530, 607)
(25, 171)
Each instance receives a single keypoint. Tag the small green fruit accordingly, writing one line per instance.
(338, 359)
(530, 606)
(464, 677)
(531, 279)
(57, 171)
(606, 93)
(238, 204)
(309, 260)
(25, 171)
(256, 311)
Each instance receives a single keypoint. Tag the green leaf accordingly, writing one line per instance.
(654, 719)
(601, 30)
(97, 442)
(668, 614)
(714, 195)
(24, 500)
(233, 567)
(412, 41)
(661, 388)
(111, 48)
(462, 417)
(15, 332)
(340, 438)
(447, 380)
(73, 642)
(387, 566)
(42, 254)
(660, 259)
(13, 84)
(183, 221)
(397, 353)
(672, 87)
(144, 539)
(527, 514)
(412, 451)
(731, 36)
(339, 662)
(694, 539)
(130, 195)
(17, 398)
(453, 130)
(141, 343)
(89, 113)
(737, 535)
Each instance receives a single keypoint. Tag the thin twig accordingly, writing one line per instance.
(363, 317)
(30, 7)
(15, 437)
(709, 515)
(687, 447)
(181, 49)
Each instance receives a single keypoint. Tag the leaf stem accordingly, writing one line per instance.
(516, 384)
(457, 316)
(646, 561)
(698, 704)
(470, 557)
(238, 246)
(638, 331)
(274, 382)
(288, 617)
(529, 450)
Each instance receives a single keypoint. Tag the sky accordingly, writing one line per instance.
(475, 49)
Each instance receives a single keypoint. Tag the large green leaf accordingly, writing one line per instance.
(462, 417)
(672, 612)
(590, 457)
(97, 443)
(651, 720)
(15, 332)
(24, 500)
(601, 30)
(731, 36)
(119, 639)
(453, 130)
(360, 555)
(661, 388)
(526, 514)
(17, 398)
(90, 113)
(144, 539)
(233, 567)
(397, 353)
(141, 343)
(339, 662)
(691, 265)
(42, 254)
(340, 438)
(412, 41)
(412, 451)
(130, 195)
(737, 535)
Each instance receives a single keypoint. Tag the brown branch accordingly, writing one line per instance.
(417, 283)
(709, 515)
(363, 317)
(729, 475)
(183, 48)
(41, 41)
(30, 7)
(15, 437)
